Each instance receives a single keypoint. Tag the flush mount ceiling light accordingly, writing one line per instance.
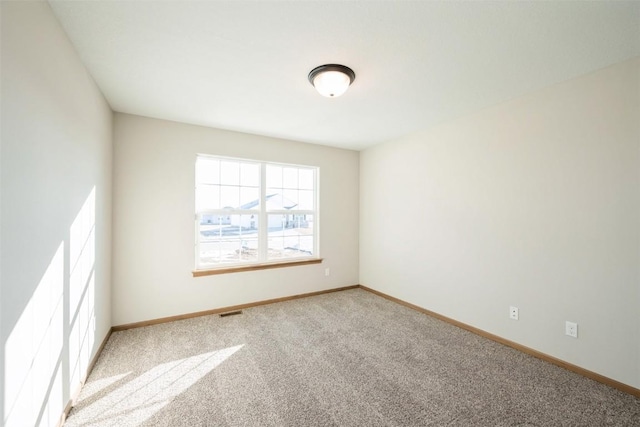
(331, 80)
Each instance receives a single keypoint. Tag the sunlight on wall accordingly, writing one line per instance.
(139, 399)
(33, 354)
(82, 251)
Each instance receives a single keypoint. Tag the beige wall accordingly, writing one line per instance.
(56, 216)
(534, 203)
(154, 223)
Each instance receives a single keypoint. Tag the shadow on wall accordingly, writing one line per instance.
(48, 351)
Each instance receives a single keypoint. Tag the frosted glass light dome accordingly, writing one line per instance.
(331, 80)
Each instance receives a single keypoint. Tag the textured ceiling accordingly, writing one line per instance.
(243, 65)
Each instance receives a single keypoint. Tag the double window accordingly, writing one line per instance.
(250, 212)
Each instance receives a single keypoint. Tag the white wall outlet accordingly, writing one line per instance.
(571, 329)
(513, 313)
(327, 272)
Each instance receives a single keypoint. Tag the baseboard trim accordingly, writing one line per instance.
(225, 309)
(535, 353)
(74, 396)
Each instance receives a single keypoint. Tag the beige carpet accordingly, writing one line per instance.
(348, 358)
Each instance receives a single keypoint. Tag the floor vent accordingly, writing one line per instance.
(231, 313)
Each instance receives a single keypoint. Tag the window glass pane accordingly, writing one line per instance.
(275, 248)
(305, 200)
(249, 198)
(290, 236)
(207, 197)
(229, 197)
(209, 253)
(273, 191)
(290, 199)
(240, 226)
(228, 238)
(305, 179)
(308, 219)
(274, 199)
(274, 176)
(210, 227)
(306, 225)
(290, 178)
(306, 245)
(276, 224)
(250, 245)
(249, 250)
(207, 220)
(250, 174)
(246, 226)
(207, 170)
(289, 223)
(291, 242)
(229, 173)
(230, 250)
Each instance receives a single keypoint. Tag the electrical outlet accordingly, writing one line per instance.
(327, 272)
(513, 313)
(571, 329)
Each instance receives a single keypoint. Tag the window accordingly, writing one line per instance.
(250, 212)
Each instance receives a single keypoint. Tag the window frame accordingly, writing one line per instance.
(263, 261)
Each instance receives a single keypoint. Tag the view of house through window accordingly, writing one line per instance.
(250, 212)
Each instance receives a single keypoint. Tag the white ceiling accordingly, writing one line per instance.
(243, 65)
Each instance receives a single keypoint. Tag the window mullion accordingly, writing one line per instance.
(291, 212)
(316, 213)
(197, 243)
(263, 221)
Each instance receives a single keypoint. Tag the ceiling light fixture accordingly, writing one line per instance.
(331, 80)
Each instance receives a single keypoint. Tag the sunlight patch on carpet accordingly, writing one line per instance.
(139, 399)
(96, 386)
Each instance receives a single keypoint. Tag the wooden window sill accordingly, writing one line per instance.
(254, 267)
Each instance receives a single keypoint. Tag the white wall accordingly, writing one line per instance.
(56, 218)
(153, 228)
(534, 203)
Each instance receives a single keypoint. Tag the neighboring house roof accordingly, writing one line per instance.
(274, 202)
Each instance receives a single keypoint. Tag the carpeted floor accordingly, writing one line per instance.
(348, 358)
